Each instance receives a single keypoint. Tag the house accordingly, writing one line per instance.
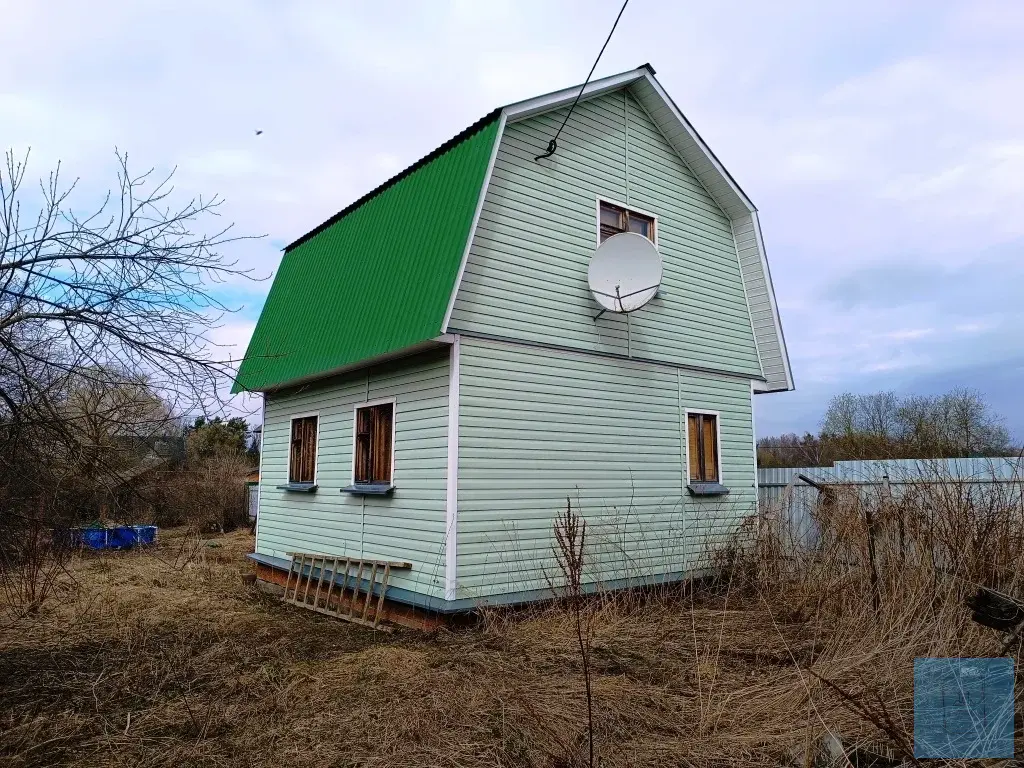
(438, 381)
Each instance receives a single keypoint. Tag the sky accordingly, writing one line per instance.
(882, 142)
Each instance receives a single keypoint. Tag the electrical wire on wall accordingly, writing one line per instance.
(553, 144)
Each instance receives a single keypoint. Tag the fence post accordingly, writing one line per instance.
(869, 519)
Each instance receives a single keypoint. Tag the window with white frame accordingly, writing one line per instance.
(374, 452)
(702, 447)
(302, 450)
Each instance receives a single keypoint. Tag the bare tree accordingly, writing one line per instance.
(105, 320)
(570, 537)
(126, 286)
(790, 450)
(887, 426)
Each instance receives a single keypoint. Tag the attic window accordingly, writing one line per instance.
(302, 451)
(374, 457)
(702, 447)
(615, 220)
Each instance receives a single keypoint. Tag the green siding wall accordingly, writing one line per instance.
(410, 525)
(526, 276)
(537, 426)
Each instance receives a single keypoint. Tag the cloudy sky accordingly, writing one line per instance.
(883, 142)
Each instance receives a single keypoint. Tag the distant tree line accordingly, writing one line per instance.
(885, 425)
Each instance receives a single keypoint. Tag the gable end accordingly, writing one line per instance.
(762, 309)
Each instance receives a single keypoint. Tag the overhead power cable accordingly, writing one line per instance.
(553, 144)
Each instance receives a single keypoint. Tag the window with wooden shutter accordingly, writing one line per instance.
(302, 452)
(615, 220)
(373, 448)
(702, 447)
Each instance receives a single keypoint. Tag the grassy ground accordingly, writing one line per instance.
(166, 658)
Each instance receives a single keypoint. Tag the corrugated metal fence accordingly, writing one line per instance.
(782, 491)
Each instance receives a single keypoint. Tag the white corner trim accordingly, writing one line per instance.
(259, 483)
(753, 433)
(355, 427)
(757, 485)
(472, 227)
(451, 573)
(718, 440)
(771, 298)
(288, 455)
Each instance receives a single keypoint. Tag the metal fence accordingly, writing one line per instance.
(792, 492)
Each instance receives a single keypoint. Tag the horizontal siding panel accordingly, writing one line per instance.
(410, 524)
(708, 344)
(537, 426)
(743, 222)
(525, 254)
(692, 197)
(517, 197)
(526, 276)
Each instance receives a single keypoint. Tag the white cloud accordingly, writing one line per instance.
(975, 327)
(908, 334)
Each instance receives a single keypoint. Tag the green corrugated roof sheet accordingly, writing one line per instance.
(376, 277)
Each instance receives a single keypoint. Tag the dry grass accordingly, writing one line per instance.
(167, 659)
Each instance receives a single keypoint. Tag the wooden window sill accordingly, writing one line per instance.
(707, 489)
(369, 489)
(298, 487)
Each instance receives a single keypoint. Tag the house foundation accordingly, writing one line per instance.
(273, 580)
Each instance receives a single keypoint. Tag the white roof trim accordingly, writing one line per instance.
(775, 306)
(476, 220)
(705, 150)
(530, 107)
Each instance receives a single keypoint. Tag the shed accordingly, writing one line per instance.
(438, 381)
(252, 492)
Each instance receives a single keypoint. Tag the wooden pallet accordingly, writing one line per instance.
(320, 574)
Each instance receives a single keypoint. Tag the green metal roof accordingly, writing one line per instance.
(376, 277)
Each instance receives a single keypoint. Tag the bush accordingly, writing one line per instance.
(209, 494)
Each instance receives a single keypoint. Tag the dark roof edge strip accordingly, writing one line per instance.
(479, 125)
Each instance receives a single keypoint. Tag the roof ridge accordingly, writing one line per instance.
(452, 142)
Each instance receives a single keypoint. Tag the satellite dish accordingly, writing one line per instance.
(625, 272)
